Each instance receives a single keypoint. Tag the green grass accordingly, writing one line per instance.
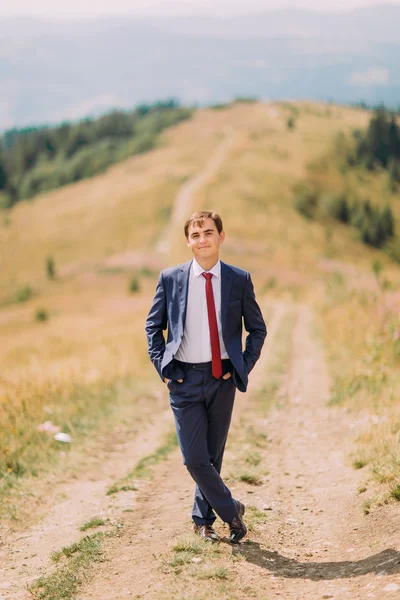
(134, 285)
(189, 544)
(85, 546)
(114, 489)
(395, 492)
(94, 522)
(256, 439)
(146, 271)
(253, 458)
(250, 478)
(23, 294)
(248, 441)
(65, 581)
(277, 367)
(367, 506)
(208, 572)
(179, 559)
(143, 467)
(189, 547)
(80, 410)
(32, 453)
(41, 315)
(254, 517)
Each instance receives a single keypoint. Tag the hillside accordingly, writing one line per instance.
(328, 377)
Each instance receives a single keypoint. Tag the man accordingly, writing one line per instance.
(203, 303)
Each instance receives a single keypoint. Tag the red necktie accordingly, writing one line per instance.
(212, 323)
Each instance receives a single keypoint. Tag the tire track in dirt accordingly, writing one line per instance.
(318, 543)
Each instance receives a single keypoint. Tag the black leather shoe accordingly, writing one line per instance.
(236, 527)
(207, 532)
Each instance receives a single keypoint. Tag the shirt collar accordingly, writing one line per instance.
(198, 270)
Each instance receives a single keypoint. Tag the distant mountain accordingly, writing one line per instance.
(51, 71)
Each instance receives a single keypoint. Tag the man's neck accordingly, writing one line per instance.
(207, 264)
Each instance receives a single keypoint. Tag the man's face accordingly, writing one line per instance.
(204, 239)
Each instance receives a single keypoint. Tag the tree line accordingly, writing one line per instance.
(379, 145)
(375, 225)
(37, 159)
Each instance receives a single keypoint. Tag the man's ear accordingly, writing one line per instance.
(187, 242)
(221, 236)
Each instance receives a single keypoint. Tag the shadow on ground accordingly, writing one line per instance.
(387, 560)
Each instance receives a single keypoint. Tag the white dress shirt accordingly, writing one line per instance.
(196, 346)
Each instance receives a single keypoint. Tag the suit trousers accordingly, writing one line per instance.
(202, 408)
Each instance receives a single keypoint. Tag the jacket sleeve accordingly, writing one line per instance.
(156, 323)
(254, 325)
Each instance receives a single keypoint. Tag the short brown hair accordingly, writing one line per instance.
(198, 218)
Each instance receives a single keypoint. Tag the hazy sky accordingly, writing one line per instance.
(94, 8)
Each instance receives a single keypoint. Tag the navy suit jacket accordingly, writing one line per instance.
(238, 305)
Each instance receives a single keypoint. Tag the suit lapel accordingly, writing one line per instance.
(226, 285)
(183, 283)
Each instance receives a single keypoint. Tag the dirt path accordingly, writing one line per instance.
(132, 565)
(185, 196)
(317, 543)
(24, 556)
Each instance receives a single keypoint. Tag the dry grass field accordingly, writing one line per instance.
(74, 351)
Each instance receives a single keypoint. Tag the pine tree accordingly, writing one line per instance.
(377, 137)
(381, 142)
(387, 222)
(343, 210)
(3, 173)
(394, 140)
(394, 174)
(356, 215)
